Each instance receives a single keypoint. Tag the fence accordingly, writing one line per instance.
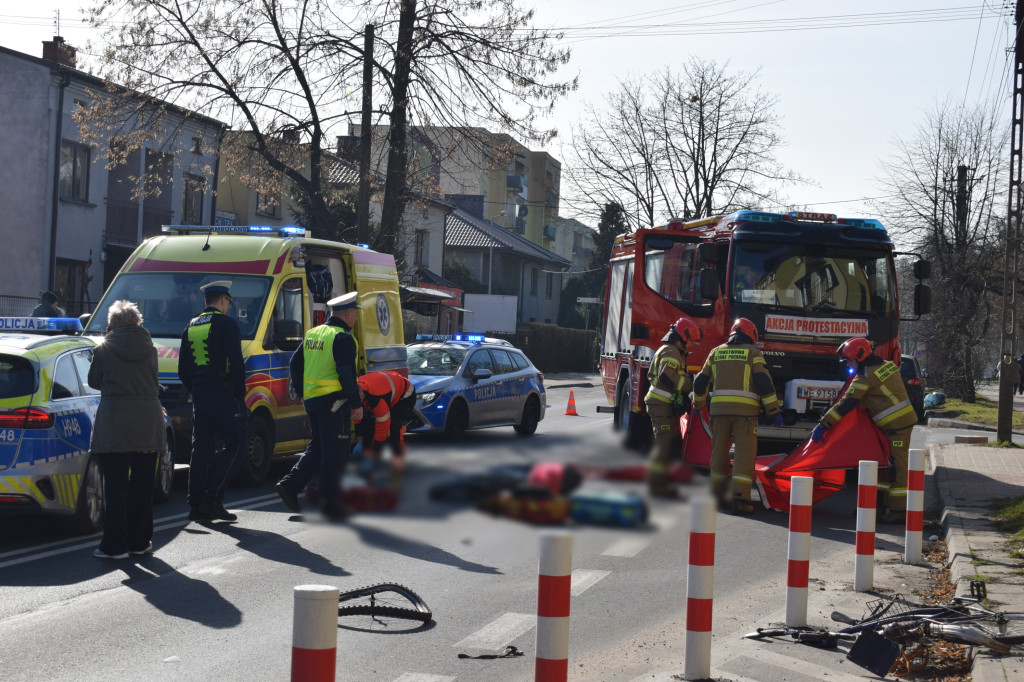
(555, 349)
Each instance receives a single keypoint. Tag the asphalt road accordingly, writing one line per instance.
(215, 601)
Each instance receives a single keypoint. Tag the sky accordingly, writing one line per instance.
(850, 78)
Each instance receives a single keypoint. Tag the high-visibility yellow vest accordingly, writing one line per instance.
(199, 336)
(319, 370)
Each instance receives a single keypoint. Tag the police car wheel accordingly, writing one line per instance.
(531, 417)
(165, 472)
(256, 454)
(89, 511)
(458, 419)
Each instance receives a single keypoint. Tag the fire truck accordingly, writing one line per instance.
(809, 281)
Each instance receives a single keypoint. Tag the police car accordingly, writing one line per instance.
(46, 416)
(468, 381)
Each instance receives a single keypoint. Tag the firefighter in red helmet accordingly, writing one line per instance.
(740, 388)
(666, 401)
(877, 386)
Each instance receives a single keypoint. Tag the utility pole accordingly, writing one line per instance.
(365, 140)
(1007, 348)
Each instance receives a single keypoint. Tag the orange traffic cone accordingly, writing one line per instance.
(571, 409)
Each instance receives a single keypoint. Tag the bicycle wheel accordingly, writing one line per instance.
(385, 600)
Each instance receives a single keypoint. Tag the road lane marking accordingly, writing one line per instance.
(627, 547)
(664, 521)
(583, 579)
(497, 634)
(423, 677)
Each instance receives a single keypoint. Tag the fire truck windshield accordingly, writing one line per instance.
(814, 279)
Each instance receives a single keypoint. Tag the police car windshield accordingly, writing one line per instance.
(814, 279)
(168, 300)
(438, 362)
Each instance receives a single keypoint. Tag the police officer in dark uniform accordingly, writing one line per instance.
(324, 369)
(211, 368)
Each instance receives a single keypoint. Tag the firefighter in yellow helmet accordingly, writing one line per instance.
(740, 388)
(878, 387)
(666, 401)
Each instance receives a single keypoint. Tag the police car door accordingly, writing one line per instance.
(74, 405)
(481, 393)
(511, 388)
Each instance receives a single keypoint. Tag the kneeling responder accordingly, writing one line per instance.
(389, 397)
(878, 387)
(740, 388)
(667, 400)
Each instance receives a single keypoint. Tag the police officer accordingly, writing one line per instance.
(877, 386)
(741, 388)
(389, 398)
(211, 368)
(324, 369)
(667, 400)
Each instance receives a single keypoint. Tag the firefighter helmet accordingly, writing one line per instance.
(686, 330)
(856, 348)
(745, 327)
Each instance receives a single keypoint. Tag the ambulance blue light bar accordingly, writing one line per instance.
(40, 324)
(286, 231)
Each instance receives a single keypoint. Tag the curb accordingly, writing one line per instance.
(581, 385)
(944, 423)
(987, 668)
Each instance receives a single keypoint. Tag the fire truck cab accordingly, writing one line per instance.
(808, 281)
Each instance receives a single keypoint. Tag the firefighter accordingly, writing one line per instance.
(389, 397)
(667, 400)
(740, 388)
(877, 386)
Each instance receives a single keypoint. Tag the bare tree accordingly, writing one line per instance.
(947, 184)
(690, 144)
(288, 72)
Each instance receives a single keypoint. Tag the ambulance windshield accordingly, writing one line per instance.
(169, 300)
(815, 279)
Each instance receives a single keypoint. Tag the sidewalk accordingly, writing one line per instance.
(572, 380)
(968, 478)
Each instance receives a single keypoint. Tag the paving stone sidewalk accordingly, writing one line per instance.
(968, 478)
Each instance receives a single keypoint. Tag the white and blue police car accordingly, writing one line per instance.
(469, 381)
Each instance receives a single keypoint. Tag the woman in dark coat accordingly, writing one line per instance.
(128, 434)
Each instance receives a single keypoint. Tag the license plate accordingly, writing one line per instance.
(817, 393)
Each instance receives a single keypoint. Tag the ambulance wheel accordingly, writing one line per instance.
(89, 510)
(458, 419)
(259, 448)
(165, 471)
(531, 417)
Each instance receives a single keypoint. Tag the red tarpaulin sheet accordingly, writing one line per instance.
(853, 439)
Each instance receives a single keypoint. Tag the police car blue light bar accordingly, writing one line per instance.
(468, 338)
(40, 324)
(472, 338)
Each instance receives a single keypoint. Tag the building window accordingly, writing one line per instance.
(548, 284)
(533, 281)
(422, 248)
(268, 206)
(74, 171)
(192, 200)
(71, 284)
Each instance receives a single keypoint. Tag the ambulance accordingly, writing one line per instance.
(281, 281)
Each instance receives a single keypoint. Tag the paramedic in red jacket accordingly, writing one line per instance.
(388, 398)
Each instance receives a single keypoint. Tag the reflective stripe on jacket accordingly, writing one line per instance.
(739, 381)
(320, 371)
(381, 391)
(667, 374)
(881, 391)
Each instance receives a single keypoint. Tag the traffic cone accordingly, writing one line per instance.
(571, 409)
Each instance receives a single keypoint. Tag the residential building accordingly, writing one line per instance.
(72, 219)
(574, 241)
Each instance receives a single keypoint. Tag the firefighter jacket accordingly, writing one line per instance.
(325, 363)
(877, 387)
(382, 391)
(669, 381)
(741, 385)
(211, 353)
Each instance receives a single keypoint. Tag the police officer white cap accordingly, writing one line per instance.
(214, 287)
(344, 302)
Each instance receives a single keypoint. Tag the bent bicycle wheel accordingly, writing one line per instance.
(384, 600)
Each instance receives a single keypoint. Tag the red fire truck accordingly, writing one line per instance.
(808, 281)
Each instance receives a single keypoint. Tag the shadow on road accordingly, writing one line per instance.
(276, 547)
(415, 549)
(178, 595)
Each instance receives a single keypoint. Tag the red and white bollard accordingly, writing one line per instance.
(553, 588)
(915, 507)
(314, 633)
(700, 586)
(801, 496)
(867, 501)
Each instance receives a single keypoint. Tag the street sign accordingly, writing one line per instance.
(587, 299)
